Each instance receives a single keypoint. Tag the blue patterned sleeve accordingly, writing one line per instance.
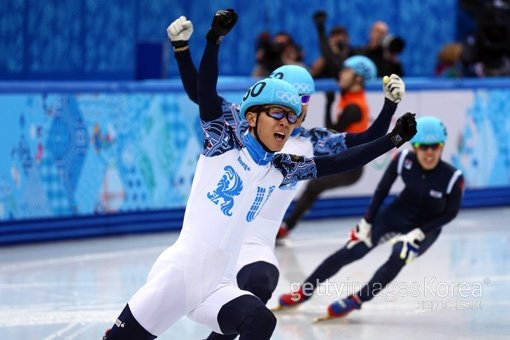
(294, 168)
(219, 137)
(326, 142)
(231, 112)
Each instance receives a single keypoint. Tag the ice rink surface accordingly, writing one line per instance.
(459, 289)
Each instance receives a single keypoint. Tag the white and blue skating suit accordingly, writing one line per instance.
(260, 238)
(234, 179)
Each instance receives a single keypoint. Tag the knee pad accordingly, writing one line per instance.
(263, 322)
(259, 278)
(247, 315)
(260, 290)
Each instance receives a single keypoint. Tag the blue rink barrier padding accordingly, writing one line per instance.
(24, 230)
(52, 229)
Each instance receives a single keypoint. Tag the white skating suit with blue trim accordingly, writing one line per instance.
(233, 180)
(260, 238)
(207, 312)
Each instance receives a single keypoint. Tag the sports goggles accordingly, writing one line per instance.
(425, 147)
(278, 113)
(305, 100)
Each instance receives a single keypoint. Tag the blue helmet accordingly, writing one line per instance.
(297, 76)
(362, 66)
(430, 130)
(271, 91)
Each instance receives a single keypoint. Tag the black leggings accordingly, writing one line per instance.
(382, 277)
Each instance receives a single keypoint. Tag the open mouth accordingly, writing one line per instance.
(279, 136)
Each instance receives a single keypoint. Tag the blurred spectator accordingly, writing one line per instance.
(334, 50)
(384, 50)
(377, 34)
(275, 52)
(374, 49)
(487, 51)
(449, 61)
(339, 45)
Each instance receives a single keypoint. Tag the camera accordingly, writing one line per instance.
(393, 44)
(490, 43)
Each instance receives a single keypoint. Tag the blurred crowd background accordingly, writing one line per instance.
(126, 39)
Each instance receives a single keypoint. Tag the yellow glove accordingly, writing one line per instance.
(394, 88)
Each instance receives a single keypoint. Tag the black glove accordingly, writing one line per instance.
(319, 18)
(223, 22)
(404, 129)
